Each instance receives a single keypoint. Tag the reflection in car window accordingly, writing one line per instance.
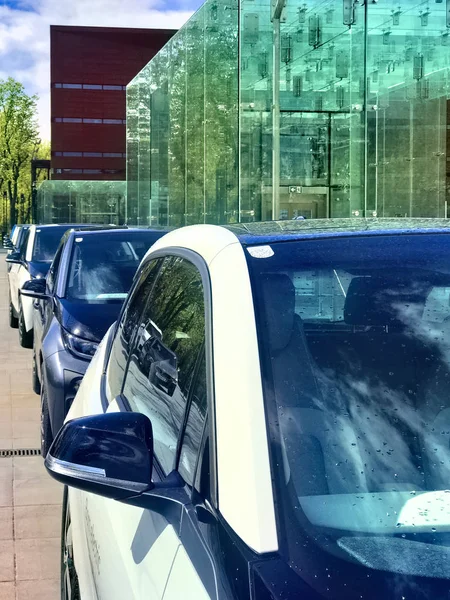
(23, 243)
(355, 355)
(195, 421)
(46, 243)
(53, 271)
(164, 355)
(128, 325)
(21, 236)
(102, 266)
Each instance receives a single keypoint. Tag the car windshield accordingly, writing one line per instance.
(354, 337)
(103, 265)
(46, 243)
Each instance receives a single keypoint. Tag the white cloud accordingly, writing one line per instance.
(25, 35)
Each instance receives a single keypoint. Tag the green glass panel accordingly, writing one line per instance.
(255, 143)
(143, 144)
(177, 131)
(61, 201)
(195, 119)
(221, 111)
(408, 73)
(354, 125)
(132, 133)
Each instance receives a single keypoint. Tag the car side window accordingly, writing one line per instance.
(128, 323)
(195, 422)
(24, 244)
(54, 267)
(165, 353)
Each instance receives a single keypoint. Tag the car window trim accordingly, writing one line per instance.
(53, 276)
(195, 376)
(200, 264)
(103, 395)
(66, 256)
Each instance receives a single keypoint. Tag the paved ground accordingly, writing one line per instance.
(30, 501)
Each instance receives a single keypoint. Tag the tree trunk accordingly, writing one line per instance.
(12, 189)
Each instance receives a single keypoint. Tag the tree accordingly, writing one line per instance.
(23, 208)
(19, 142)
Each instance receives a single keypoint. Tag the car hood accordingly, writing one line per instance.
(38, 269)
(87, 321)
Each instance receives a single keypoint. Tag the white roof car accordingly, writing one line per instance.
(268, 419)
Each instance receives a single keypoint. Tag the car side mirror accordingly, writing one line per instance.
(7, 243)
(35, 288)
(111, 455)
(15, 258)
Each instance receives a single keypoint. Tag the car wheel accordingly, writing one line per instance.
(46, 429)
(69, 580)
(13, 320)
(25, 337)
(34, 376)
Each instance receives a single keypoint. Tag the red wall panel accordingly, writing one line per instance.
(74, 137)
(98, 56)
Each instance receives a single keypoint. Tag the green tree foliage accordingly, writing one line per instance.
(19, 143)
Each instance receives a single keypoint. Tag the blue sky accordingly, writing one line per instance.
(24, 33)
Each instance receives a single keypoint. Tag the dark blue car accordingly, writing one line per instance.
(75, 305)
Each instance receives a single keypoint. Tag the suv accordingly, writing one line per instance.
(14, 243)
(79, 300)
(31, 261)
(302, 450)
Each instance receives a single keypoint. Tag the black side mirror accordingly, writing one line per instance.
(7, 243)
(15, 258)
(34, 288)
(111, 455)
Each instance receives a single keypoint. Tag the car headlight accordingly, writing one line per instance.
(79, 347)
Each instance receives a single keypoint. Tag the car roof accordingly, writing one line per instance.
(209, 240)
(61, 225)
(271, 231)
(113, 229)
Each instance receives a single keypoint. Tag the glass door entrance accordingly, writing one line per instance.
(305, 162)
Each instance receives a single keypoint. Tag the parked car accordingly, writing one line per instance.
(31, 261)
(303, 449)
(19, 236)
(9, 239)
(78, 301)
(14, 242)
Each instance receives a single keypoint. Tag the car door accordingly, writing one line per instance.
(109, 527)
(44, 309)
(165, 371)
(14, 274)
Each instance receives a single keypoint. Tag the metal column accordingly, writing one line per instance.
(278, 7)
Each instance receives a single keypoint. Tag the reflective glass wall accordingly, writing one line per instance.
(336, 109)
(101, 202)
(182, 125)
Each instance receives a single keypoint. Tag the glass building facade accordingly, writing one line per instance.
(101, 202)
(321, 108)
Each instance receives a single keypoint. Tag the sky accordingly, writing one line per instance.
(25, 34)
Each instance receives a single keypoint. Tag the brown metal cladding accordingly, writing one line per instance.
(94, 56)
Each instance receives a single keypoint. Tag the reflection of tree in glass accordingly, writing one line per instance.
(182, 125)
(178, 311)
(138, 300)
